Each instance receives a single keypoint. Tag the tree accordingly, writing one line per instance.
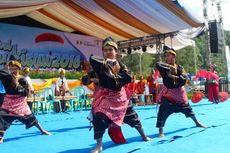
(185, 57)
(132, 61)
(227, 38)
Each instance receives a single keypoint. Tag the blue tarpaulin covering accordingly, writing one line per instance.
(70, 133)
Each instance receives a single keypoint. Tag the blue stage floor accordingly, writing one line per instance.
(70, 133)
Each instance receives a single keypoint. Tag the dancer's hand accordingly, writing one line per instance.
(15, 79)
(173, 70)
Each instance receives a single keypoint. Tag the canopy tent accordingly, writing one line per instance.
(121, 19)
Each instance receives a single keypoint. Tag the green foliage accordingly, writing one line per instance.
(44, 74)
(185, 57)
(227, 38)
(132, 61)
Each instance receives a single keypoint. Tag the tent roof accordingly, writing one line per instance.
(121, 19)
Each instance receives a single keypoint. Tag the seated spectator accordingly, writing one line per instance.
(61, 89)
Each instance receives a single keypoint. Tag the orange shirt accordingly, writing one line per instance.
(140, 87)
(132, 86)
(151, 83)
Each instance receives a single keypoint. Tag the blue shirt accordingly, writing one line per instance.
(2, 89)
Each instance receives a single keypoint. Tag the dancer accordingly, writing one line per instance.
(110, 99)
(213, 84)
(173, 97)
(15, 105)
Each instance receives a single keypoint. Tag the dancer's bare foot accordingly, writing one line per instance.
(97, 150)
(1, 140)
(146, 138)
(161, 135)
(200, 125)
(44, 132)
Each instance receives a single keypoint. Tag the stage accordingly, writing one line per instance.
(70, 133)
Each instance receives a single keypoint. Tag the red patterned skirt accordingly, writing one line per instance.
(111, 103)
(175, 95)
(16, 104)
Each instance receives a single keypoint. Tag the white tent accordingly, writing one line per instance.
(121, 19)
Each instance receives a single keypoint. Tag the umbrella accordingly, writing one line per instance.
(197, 96)
(223, 96)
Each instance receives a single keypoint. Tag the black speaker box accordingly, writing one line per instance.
(216, 37)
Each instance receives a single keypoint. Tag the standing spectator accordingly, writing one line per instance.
(132, 84)
(152, 86)
(140, 85)
(140, 89)
(132, 88)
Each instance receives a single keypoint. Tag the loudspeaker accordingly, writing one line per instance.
(215, 37)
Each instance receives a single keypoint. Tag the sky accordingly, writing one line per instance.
(196, 6)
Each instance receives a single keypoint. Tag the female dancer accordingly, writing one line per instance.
(15, 105)
(213, 84)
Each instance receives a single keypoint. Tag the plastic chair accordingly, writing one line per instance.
(40, 101)
(88, 101)
(80, 100)
(37, 102)
(49, 99)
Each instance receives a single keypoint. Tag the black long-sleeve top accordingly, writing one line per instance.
(21, 89)
(172, 82)
(113, 83)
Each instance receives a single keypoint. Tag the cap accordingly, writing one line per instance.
(26, 69)
(109, 41)
(166, 49)
(61, 70)
(15, 63)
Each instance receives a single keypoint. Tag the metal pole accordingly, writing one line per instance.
(207, 50)
(140, 64)
(159, 49)
(194, 51)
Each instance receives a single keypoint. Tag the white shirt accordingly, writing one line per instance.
(28, 79)
(61, 82)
